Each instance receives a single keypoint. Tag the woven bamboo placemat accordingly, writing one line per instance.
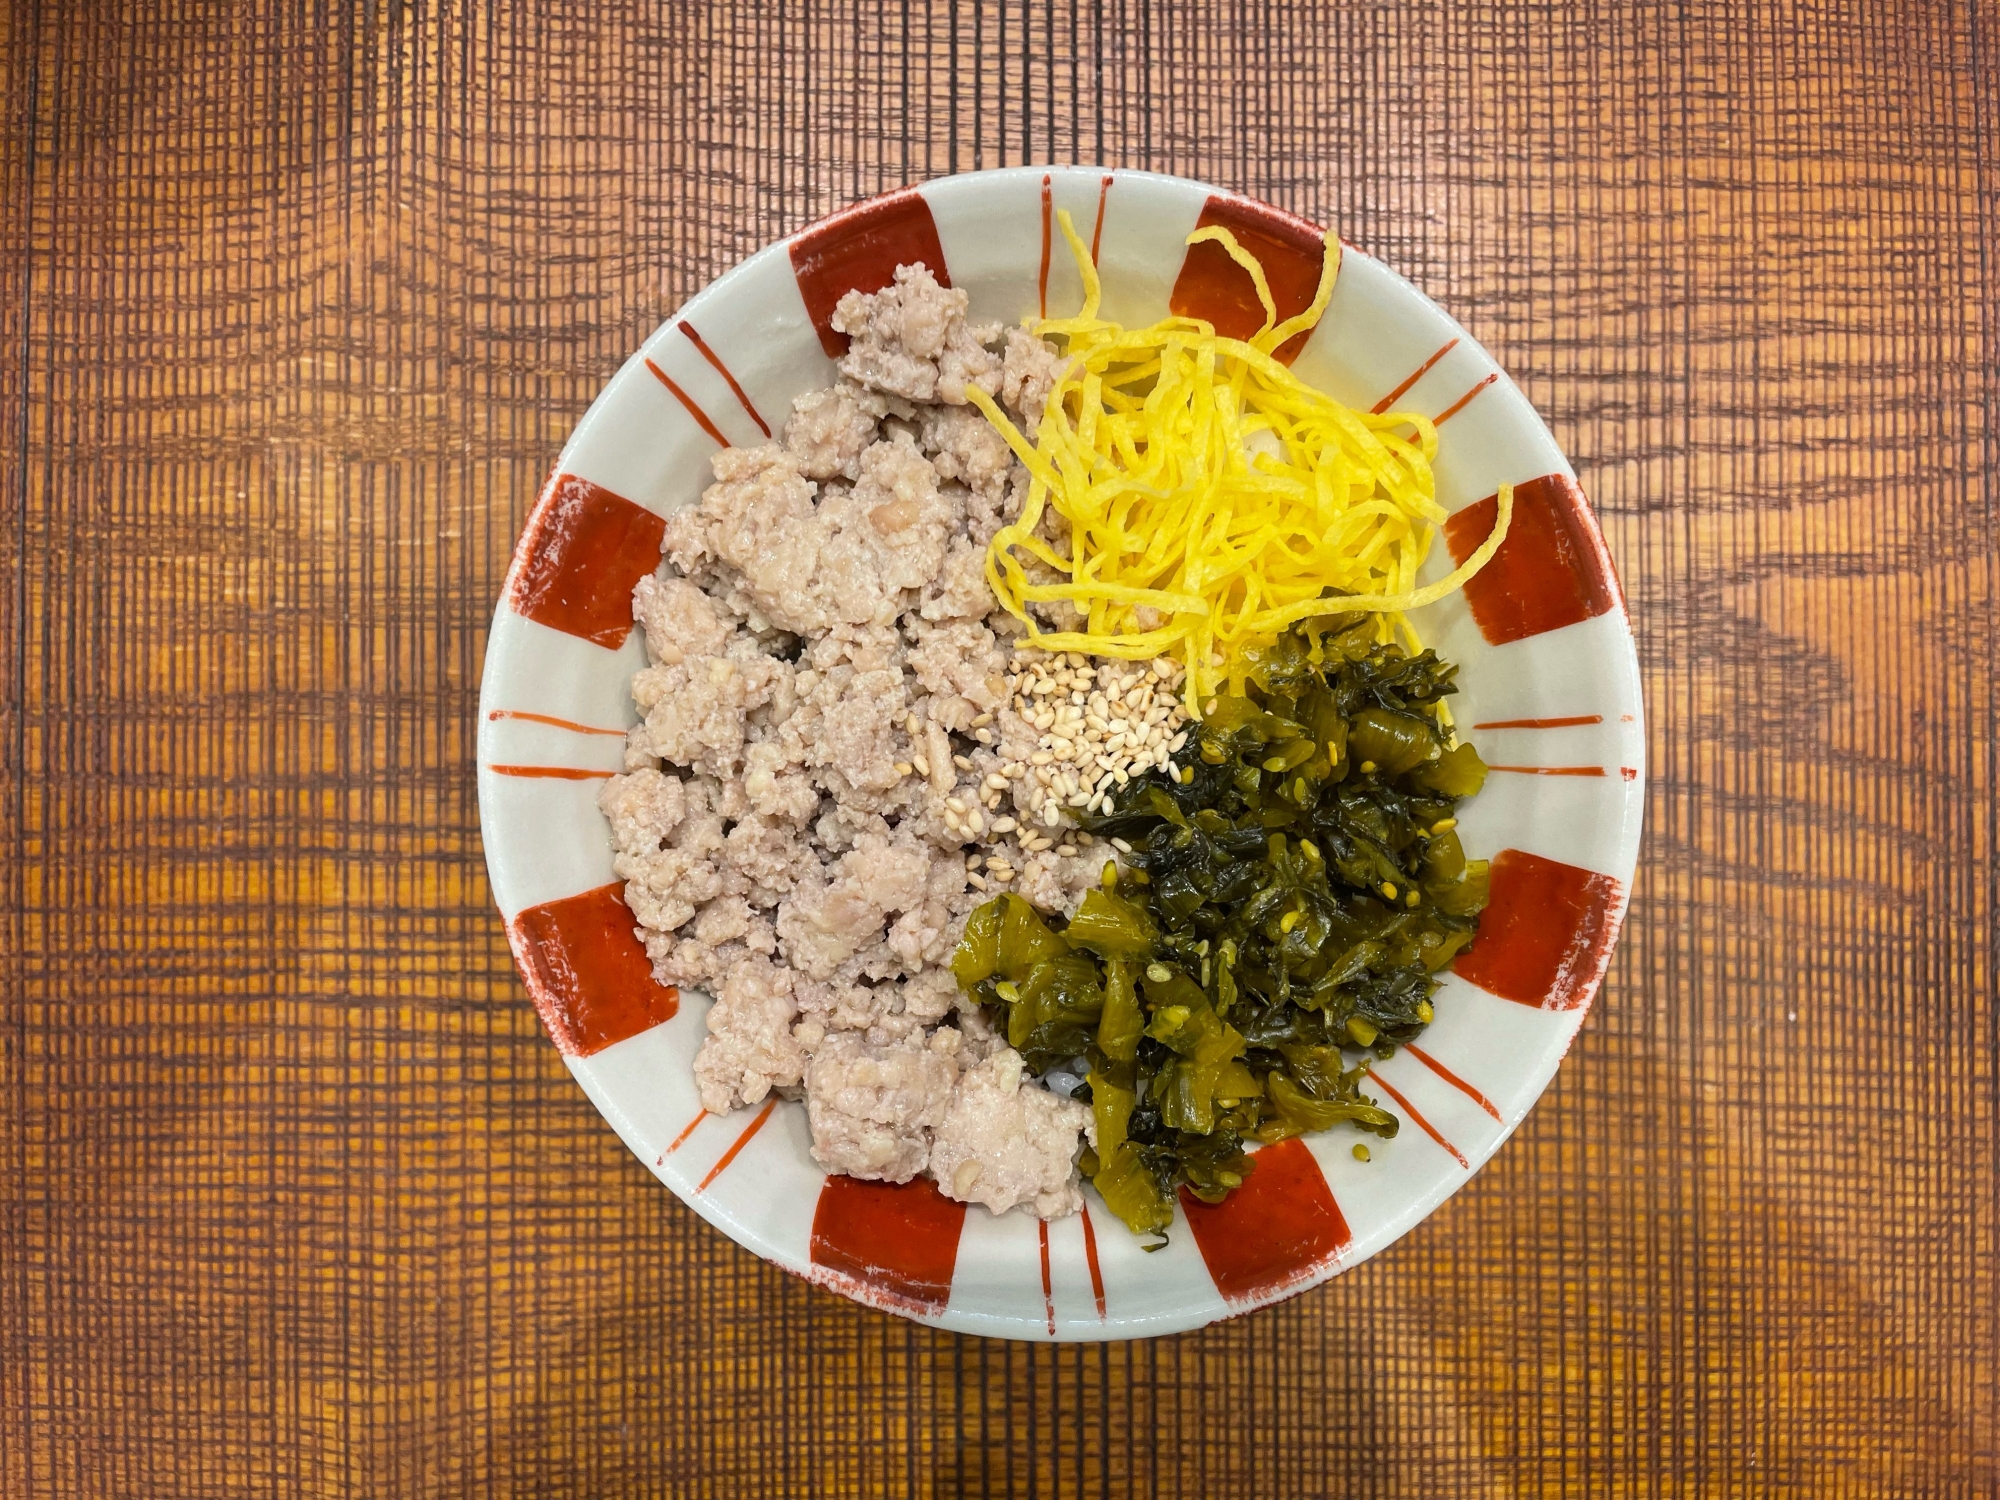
(299, 301)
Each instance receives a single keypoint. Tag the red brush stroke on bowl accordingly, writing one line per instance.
(742, 396)
(552, 773)
(1417, 1118)
(693, 406)
(1090, 1246)
(1048, 1281)
(588, 974)
(576, 563)
(1553, 569)
(1280, 1227)
(898, 1240)
(570, 724)
(1462, 402)
(1214, 287)
(1567, 723)
(1546, 934)
(722, 1165)
(858, 251)
(1414, 376)
(1451, 1078)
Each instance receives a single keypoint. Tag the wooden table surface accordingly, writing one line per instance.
(299, 302)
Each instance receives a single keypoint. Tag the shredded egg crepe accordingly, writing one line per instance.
(1211, 499)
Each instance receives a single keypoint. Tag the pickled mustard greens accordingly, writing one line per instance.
(1295, 884)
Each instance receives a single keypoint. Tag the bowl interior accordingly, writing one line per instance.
(1549, 694)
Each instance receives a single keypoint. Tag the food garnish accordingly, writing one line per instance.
(1210, 500)
(1294, 883)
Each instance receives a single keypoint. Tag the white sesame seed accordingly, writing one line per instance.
(1004, 825)
(956, 804)
(903, 768)
(977, 882)
(1121, 846)
(1052, 815)
(1065, 848)
(984, 736)
(975, 821)
(923, 767)
(981, 721)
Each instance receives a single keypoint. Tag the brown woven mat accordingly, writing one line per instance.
(299, 300)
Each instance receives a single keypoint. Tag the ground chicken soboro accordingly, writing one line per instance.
(828, 735)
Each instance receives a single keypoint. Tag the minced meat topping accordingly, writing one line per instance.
(833, 768)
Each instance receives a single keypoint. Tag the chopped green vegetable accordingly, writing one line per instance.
(1297, 882)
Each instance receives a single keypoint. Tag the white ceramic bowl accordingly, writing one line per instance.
(1550, 695)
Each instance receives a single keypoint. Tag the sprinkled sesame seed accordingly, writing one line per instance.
(903, 768)
(964, 763)
(1004, 825)
(923, 767)
(956, 804)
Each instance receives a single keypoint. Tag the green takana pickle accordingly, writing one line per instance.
(1122, 1024)
(1297, 883)
(1111, 927)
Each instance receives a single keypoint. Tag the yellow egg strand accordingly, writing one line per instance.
(1206, 485)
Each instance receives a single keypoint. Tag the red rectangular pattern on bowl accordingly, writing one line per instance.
(1546, 933)
(583, 551)
(1214, 287)
(1278, 1228)
(589, 976)
(900, 1240)
(1552, 570)
(858, 251)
